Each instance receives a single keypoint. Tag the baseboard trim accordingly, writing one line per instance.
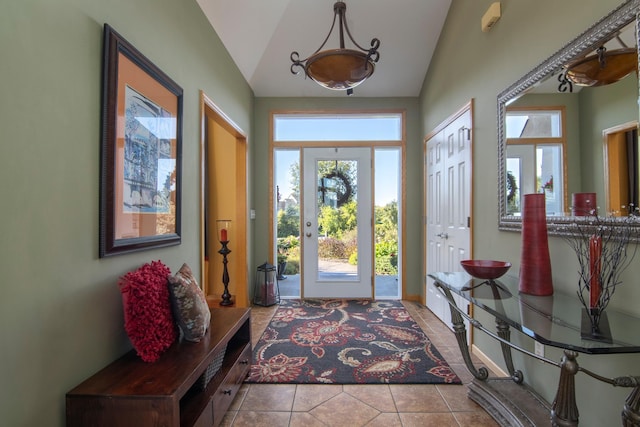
(493, 367)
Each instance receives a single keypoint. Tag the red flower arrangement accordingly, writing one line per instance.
(148, 320)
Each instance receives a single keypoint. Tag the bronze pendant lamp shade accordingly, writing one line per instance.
(603, 68)
(339, 69)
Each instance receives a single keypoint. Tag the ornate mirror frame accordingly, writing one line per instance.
(586, 42)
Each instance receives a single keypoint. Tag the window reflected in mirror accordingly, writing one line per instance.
(535, 157)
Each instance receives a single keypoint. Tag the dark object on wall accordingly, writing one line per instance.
(535, 262)
(140, 153)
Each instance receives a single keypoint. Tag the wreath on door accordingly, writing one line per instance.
(343, 189)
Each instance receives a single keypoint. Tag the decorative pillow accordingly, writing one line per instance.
(189, 305)
(148, 320)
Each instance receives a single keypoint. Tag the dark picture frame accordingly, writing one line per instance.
(140, 153)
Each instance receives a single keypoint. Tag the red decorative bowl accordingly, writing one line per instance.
(485, 269)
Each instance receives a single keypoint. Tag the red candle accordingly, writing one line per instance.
(595, 252)
(223, 235)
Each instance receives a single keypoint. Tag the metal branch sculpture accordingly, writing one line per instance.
(603, 253)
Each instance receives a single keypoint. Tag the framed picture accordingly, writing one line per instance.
(140, 159)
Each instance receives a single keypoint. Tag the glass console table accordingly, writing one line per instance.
(552, 320)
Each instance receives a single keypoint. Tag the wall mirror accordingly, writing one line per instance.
(558, 126)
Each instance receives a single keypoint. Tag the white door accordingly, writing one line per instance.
(448, 163)
(331, 178)
(434, 163)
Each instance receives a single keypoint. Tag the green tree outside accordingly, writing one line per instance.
(338, 224)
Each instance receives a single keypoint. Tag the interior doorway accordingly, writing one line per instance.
(621, 169)
(223, 195)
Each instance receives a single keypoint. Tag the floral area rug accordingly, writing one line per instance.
(346, 342)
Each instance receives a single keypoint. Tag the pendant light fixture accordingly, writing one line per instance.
(604, 67)
(339, 69)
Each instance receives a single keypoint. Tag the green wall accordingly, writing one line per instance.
(471, 64)
(60, 309)
(607, 106)
(263, 108)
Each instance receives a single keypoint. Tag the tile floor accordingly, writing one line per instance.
(276, 405)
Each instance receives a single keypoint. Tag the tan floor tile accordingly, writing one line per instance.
(443, 339)
(475, 419)
(227, 420)
(261, 419)
(308, 396)
(344, 410)
(451, 355)
(457, 399)
(239, 398)
(386, 419)
(463, 373)
(269, 397)
(305, 419)
(376, 396)
(440, 328)
(417, 398)
(436, 419)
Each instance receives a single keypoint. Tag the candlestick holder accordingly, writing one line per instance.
(224, 228)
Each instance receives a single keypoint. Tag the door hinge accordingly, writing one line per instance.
(468, 222)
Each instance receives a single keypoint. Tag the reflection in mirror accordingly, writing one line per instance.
(558, 136)
(535, 157)
(621, 168)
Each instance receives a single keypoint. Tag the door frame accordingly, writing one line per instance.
(236, 203)
(373, 144)
(468, 107)
(615, 181)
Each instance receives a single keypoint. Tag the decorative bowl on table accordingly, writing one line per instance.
(485, 269)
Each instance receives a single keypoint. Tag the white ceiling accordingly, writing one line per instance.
(261, 34)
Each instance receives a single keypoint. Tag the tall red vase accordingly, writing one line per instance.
(535, 263)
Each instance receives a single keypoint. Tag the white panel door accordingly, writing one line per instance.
(448, 206)
(434, 163)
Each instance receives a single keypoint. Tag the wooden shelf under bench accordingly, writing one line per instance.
(130, 392)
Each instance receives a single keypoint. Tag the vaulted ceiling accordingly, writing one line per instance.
(261, 34)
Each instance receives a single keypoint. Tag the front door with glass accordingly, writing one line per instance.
(337, 200)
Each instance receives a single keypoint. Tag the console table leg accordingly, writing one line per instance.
(504, 333)
(564, 410)
(631, 411)
(460, 332)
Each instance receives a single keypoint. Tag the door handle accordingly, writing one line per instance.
(443, 235)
